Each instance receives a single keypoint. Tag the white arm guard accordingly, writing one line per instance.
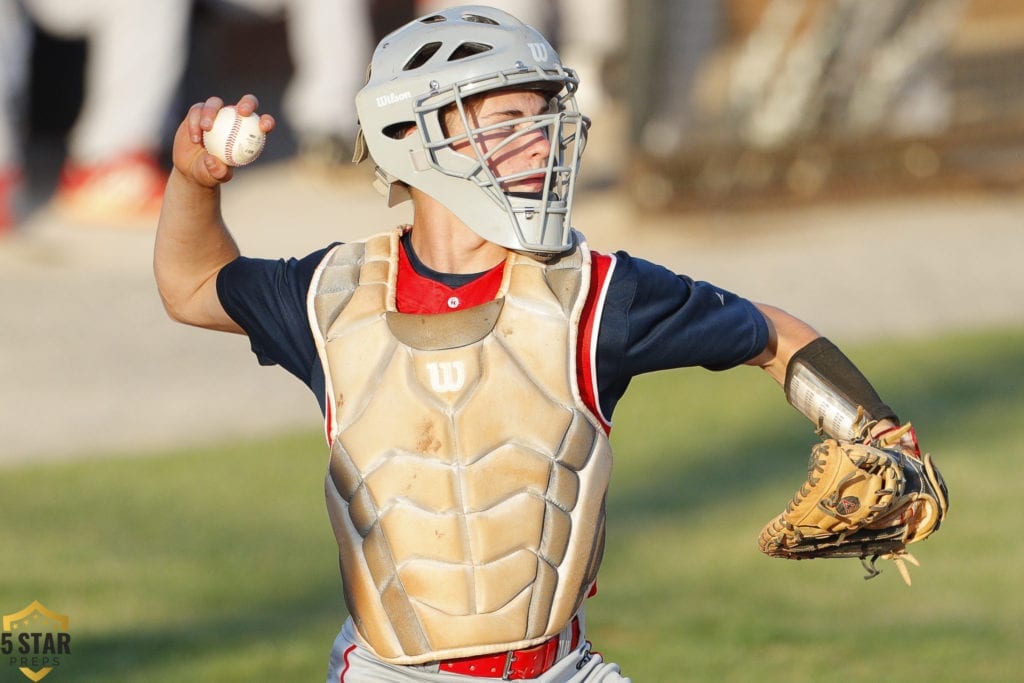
(824, 385)
(818, 400)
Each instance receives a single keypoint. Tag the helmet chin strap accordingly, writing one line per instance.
(390, 187)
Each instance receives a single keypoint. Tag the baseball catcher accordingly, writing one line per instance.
(467, 365)
(869, 491)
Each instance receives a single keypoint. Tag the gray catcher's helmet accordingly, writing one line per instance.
(441, 59)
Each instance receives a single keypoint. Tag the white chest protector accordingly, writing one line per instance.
(467, 479)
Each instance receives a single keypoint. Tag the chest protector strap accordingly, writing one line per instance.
(467, 479)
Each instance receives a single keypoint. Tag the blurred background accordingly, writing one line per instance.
(696, 103)
(787, 100)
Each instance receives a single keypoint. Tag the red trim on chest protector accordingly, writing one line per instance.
(590, 319)
(418, 294)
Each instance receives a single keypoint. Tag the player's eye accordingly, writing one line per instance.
(508, 124)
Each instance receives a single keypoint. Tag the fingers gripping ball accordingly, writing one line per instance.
(236, 140)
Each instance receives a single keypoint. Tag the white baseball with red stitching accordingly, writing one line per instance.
(235, 140)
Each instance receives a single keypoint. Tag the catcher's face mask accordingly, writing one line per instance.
(428, 71)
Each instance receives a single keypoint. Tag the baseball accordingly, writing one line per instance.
(235, 140)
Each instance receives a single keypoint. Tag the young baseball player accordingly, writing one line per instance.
(468, 364)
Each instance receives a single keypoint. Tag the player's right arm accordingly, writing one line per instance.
(192, 241)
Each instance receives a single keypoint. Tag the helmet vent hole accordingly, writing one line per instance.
(435, 19)
(422, 56)
(469, 50)
(478, 19)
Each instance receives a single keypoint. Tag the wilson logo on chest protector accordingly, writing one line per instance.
(447, 377)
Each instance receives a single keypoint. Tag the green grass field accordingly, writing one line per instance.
(219, 564)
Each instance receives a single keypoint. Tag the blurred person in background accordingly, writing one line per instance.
(133, 66)
(328, 41)
(14, 47)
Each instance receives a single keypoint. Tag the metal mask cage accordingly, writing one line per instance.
(564, 127)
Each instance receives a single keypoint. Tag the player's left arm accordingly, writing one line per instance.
(790, 338)
(787, 334)
(867, 462)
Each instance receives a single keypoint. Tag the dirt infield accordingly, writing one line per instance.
(90, 364)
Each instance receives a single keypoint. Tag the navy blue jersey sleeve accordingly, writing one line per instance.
(267, 298)
(654, 319)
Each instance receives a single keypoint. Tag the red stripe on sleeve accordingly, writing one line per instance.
(590, 322)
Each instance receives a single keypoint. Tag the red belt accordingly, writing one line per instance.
(514, 665)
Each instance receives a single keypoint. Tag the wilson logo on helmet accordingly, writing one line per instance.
(539, 51)
(393, 98)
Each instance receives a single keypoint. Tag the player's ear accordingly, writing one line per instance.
(397, 131)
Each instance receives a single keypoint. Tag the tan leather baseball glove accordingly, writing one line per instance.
(868, 499)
